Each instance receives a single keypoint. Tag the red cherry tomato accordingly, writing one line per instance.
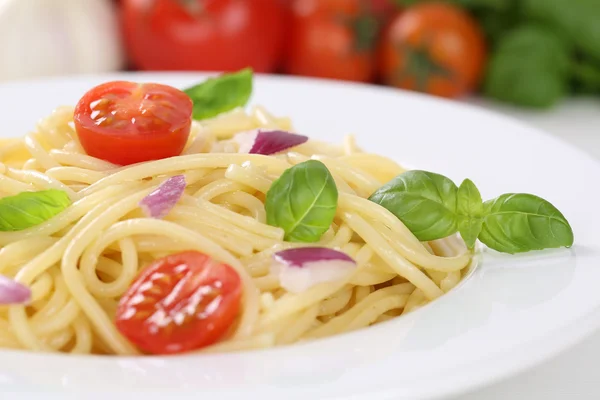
(215, 35)
(334, 39)
(126, 122)
(433, 47)
(180, 303)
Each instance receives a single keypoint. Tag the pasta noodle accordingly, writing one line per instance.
(79, 263)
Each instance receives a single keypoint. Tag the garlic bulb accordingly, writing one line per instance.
(58, 37)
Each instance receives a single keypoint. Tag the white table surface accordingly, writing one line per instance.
(574, 374)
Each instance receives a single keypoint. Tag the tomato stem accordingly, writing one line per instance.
(366, 31)
(420, 65)
(365, 28)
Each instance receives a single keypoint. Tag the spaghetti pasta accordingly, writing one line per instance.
(79, 263)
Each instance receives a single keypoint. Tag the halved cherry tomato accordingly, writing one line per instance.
(180, 303)
(435, 48)
(334, 39)
(127, 122)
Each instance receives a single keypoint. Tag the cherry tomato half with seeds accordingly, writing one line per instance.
(180, 303)
(126, 122)
(435, 48)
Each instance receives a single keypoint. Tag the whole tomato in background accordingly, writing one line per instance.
(223, 35)
(334, 38)
(435, 48)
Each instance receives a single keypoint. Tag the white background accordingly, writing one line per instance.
(575, 374)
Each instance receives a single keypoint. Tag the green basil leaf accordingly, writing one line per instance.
(221, 94)
(585, 75)
(470, 209)
(303, 201)
(28, 209)
(516, 223)
(518, 75)
(576, 20)
(469, 199)
(424, 201)
(469, 229)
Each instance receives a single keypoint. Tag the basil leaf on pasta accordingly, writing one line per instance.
(469, 228)
(516, 223)
(469, 206)
(221, 94)
(424, 201)
(28, 209)
(303, 201)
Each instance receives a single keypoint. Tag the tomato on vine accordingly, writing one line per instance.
(334, 39)
(435, 48)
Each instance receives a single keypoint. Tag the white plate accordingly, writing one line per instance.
(511, 313)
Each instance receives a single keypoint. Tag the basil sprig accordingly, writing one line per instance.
(220, 94)
(28, 209)
(432, 207)
(303, 201)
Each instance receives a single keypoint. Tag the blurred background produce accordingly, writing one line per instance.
(41, 38)
(223, 35)
(529, 53)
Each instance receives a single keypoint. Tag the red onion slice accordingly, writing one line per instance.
(304, 267)
(268, 142)
(12, 292)
(158, 203)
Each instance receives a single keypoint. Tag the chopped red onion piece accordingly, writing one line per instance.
(12, 292)
(302, 268)
(158, 203)
(268, 142)
(246, 140)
